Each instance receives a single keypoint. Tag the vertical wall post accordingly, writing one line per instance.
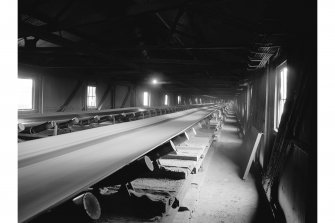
(125, 99)
(132, 102)
(71, 96)
(41, 95)
(266, 115)
(113, 96)
(104, 96)
(135, 96)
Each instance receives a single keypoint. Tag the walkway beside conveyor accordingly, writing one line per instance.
(218, 194)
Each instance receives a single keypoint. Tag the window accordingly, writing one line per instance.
(91, 97)
(146, 99)
(26, 87)
(179, 99)
(200, 101)
(280, 93)
(166, 100)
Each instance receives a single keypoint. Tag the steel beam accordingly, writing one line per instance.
(104, 96)
(71, 96)
(131, 11)
(27, 30)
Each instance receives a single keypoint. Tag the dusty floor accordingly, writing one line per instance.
(221, 195)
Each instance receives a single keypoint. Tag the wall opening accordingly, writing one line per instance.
(280, 93)
(146, 99)
(91, 97)
(166, 100)
(26, 94)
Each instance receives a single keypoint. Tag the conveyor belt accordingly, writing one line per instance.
(52, 170)
(35, 119)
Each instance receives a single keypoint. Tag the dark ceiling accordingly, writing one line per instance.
(203, 46)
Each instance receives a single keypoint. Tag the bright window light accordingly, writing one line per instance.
(145, 99)
(179, 100)
(281, 93)
(91, 97)
(166, 100)
(25, 94)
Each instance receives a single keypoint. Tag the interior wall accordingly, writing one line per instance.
(54, 86)
(302, 205)
(58, 89)
(252, 108)
(121, 96)
(57, 85)
(155, 95)
(257, 111)
(297, 173)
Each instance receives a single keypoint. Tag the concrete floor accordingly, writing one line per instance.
(222, 196)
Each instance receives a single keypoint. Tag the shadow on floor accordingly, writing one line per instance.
(234, 150)
(263, 212)
(236, 154)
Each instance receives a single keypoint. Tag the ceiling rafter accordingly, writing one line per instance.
(30, 30)
(131, 11)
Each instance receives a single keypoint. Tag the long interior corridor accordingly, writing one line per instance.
(168, 111)
(221, 195)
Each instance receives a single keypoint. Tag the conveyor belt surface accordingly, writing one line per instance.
(35, 119)
(52, 170)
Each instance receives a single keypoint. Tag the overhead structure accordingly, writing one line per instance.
(206, 47)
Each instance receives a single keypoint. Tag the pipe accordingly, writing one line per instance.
(67, 124)
(20, 127)
(90, 120)
(39, 128)
(90, 205)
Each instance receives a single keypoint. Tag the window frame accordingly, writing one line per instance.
(166, 100)
(87, 96)
(32, 96)
(278, 108)
(178, 99)
(36, 95)
(148, 98)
